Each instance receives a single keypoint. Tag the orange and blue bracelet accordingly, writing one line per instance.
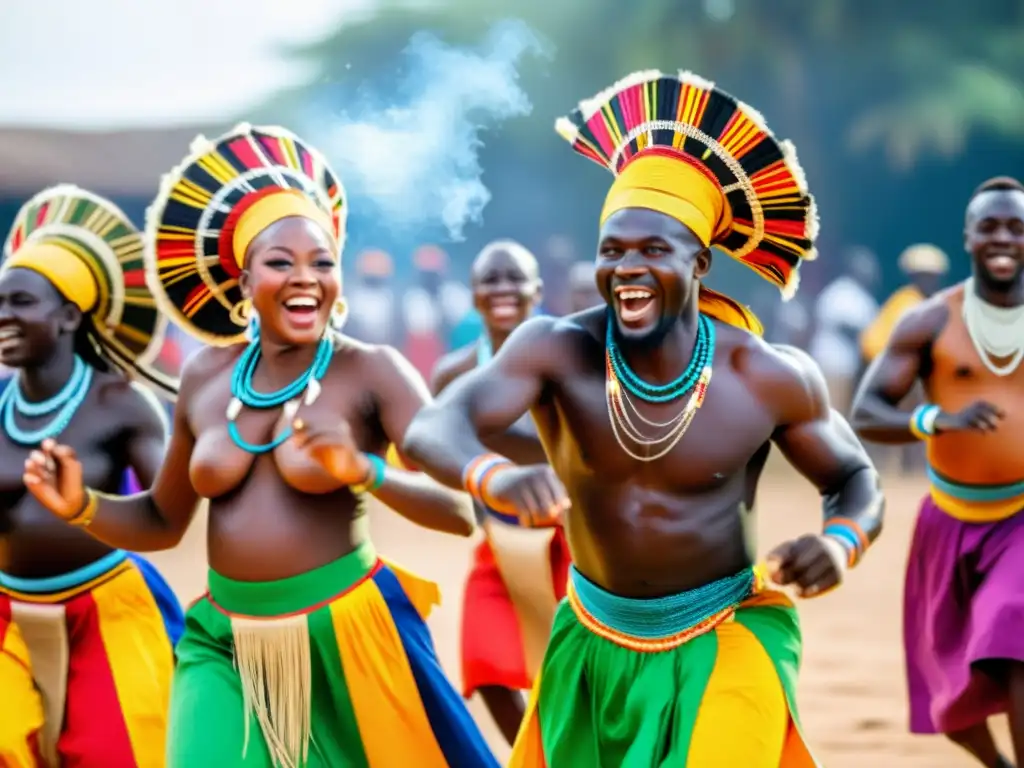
(479, 472)
(848, 533)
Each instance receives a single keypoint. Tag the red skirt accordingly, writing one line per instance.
(518, 578)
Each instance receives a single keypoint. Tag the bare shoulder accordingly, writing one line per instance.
(785, 379)
(453, 365)
(383, 368)
(920, 325)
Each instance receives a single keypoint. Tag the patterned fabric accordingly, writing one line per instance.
(125, 324)
(770, 219)
(190, 226)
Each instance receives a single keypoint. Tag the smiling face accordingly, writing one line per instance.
(34, 316)
(648, 270)
(506, 286)
(994, 236)
(292, 279)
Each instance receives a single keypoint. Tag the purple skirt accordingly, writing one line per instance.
(963, 606)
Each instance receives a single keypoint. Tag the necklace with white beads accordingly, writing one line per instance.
(996, 332)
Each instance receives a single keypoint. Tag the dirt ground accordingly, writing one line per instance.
(852, 690)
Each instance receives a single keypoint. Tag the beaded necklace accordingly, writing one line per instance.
(622, 381)
(289, 396)
(65, 404)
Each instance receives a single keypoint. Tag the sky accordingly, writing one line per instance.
(107, 64)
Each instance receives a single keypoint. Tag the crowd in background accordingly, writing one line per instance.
(428, 311)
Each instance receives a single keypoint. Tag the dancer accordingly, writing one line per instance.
(308, 649)
(669, 650)
(964, 581)
(519, 574)
(86, 630)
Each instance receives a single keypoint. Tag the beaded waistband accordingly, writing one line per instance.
(662, 623)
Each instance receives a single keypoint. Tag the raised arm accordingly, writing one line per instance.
(820, 444)
(145, 522)
(446, 435)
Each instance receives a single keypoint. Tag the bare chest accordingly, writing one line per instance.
(672, 447)
(219, 465)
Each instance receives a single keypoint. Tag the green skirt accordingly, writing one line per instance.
(702, 679)
(333, 668)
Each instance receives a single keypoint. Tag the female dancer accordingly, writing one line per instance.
(86, 630)
(307, 648)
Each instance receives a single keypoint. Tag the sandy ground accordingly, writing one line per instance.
(852, 691)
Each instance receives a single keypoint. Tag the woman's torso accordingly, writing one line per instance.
(278, 514)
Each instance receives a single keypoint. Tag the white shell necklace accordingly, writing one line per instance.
(997, 332)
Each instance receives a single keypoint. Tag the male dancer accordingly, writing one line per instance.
(668, 650)
(519, 574)
(964, 596)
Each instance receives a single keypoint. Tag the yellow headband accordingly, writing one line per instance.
(61, 266)
(675, 188)
(271, 209)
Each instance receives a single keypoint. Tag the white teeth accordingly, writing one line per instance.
(8, 333)
(635, 294)
(301, 301)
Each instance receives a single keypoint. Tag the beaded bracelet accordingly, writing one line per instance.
(375, 478)
(83, 518)
(479, 472)
(850, 535)
(922, 421)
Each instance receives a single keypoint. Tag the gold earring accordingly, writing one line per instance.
(241, 312)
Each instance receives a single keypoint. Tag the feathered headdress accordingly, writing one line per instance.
(93, 255)
(214, 204)
(680, 146)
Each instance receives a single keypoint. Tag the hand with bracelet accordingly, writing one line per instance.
(533, 493)
(334, 448)
(980, 416)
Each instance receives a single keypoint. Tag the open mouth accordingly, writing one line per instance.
(503, 307)
(1001, 263)
(636, 306)
(10, 338)
(302, 311)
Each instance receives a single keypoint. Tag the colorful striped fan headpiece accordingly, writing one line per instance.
(680, 146)
(212, 206)
(93, 255)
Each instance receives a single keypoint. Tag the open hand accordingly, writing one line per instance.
(533, 492)
(53, 475)
(813, 564)
(334, 449)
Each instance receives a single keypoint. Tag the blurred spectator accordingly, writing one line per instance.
(842, 311)
(556, 260)
(373, 310)
(431, 308)
(583, 293)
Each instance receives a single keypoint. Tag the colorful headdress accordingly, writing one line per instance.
(212, 206)
(682, 147)
(93, 255)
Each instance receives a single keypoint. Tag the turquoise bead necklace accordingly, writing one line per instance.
(631, 428)
(64, 404)
(243, 392)
(703, 352)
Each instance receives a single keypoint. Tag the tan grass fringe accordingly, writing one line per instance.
(272, 657)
